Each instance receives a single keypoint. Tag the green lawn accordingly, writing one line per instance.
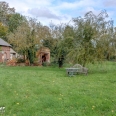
(48, 91)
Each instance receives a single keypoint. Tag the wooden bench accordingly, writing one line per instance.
(71, 71)
(82, 69)
(77, 68)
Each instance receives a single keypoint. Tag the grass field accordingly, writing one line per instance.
(48, 91)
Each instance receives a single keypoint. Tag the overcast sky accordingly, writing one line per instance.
(62, 11)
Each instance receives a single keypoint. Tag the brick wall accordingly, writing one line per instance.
(6, 53)
(0, 57)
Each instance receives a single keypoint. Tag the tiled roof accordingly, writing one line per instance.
(12, 51)
(4, 43)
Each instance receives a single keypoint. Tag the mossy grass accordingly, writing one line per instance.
(48, 91)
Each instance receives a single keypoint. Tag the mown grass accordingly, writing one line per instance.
(48, 91)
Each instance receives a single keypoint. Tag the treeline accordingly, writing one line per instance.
(90, 38)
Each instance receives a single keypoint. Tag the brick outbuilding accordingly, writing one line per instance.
(43, 55)
(4, 50)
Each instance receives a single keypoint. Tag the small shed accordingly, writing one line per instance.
(43, 55)
(4, 50)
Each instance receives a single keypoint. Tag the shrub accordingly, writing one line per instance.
(20, 60)
(45, 63)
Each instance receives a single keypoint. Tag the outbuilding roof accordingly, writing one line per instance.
(12, 51)
(4, 43)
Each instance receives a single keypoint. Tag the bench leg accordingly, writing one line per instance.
(70, 74)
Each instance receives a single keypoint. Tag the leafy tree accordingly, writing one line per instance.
(57, 37)
(88, 38)
(5, 12)
(19, 39)
(15, 20)
(26, 37)
(68, 39)
(3, 30)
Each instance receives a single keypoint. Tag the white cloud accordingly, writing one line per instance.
(43, 12)
(60, 11)
(110, 3)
